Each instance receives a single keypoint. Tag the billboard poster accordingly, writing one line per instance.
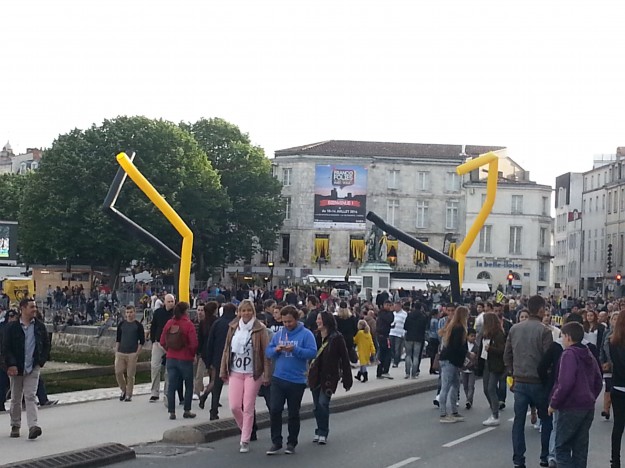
(8, 240)
(340, 197)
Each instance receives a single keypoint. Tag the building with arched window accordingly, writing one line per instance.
(516, 236)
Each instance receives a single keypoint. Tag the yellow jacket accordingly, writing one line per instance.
(365, 347)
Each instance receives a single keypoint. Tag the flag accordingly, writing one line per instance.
(499, 297)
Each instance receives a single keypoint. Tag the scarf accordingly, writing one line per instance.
(242, 336)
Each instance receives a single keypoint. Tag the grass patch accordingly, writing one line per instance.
(60, 385)
(95, 359)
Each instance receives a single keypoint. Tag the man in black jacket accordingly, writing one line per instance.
(25, 349)
(383, 328)
(312, 303)
(11, 316)
(415, 325)
(214, 350)
(159, 319)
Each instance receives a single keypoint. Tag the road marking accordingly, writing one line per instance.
(469, 437)
(405, 462)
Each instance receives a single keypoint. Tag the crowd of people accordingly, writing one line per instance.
(554, 357)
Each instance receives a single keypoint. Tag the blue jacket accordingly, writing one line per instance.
(291, 366)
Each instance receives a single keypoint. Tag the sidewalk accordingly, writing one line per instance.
(97, 416)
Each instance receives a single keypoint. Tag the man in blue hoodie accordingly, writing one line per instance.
(577, 387)
(290, 349)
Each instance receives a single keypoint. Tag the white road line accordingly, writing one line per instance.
(469, 437)
(405, 462)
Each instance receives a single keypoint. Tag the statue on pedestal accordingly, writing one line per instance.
(376, 245)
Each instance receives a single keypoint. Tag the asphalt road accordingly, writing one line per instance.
(399, 433)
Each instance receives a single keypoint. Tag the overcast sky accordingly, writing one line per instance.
(544, 78)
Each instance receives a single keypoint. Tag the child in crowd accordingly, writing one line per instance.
(468, 374)
(365, 348)
(578, 384)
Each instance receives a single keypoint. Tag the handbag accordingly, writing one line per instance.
(353, 356)
(436, 363)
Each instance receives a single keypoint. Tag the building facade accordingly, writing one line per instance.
(11, 163)
(568, 234)
(517, 236)
(329, 187)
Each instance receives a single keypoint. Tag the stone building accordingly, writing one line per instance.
(329, 187)
(517, 235)
(568, 234)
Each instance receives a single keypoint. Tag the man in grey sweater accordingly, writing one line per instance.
(527, 343)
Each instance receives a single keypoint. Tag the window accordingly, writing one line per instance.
(357, 249)
(583, 206)
(287, 208)
(517, 204)
(451, 218)
(603, 201)
(423, 181)
(542, 271)
(615, 206)
(483, 275)
(622, 201)
(422, 213)
(483, 199)
(515, 240)
(485, 239)
(453, 182)
(392, 211)
(287, 174)
(545, 206)
(595, 256)
(321, 248)
(286, 248)
(592, 182)
(393, 179)
(543, 237)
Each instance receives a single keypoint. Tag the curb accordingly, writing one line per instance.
(99, 455)
(216, 430)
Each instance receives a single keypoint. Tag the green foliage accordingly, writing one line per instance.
(11, 195)
(256, 212)
(61, 216)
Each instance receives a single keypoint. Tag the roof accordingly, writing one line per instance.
(381, 149)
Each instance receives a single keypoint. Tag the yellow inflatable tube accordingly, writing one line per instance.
(171, 215)
(492, 160)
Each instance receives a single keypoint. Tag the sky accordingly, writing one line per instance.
(543, 78)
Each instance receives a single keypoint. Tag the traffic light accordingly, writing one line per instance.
(609, 264)
(618, 278)
(510, 278)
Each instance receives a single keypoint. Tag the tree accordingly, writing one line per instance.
(11, 193)
(256, 211)
(61, 217)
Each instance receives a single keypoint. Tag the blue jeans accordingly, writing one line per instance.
(177, 372)
(397, 344)
(572, 438)
(450, 387)
(526, 395)
(552, 439)
(321, 402)
(284, 391)
(413, 357)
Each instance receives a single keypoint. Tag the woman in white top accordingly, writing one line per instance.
(593, 330)
(245, 367)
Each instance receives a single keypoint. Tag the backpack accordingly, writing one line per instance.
(175, 339)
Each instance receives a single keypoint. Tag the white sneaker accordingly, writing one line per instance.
(491, 421)
(316, 439)
(323, 440)
(245, 447)
(195, 397)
